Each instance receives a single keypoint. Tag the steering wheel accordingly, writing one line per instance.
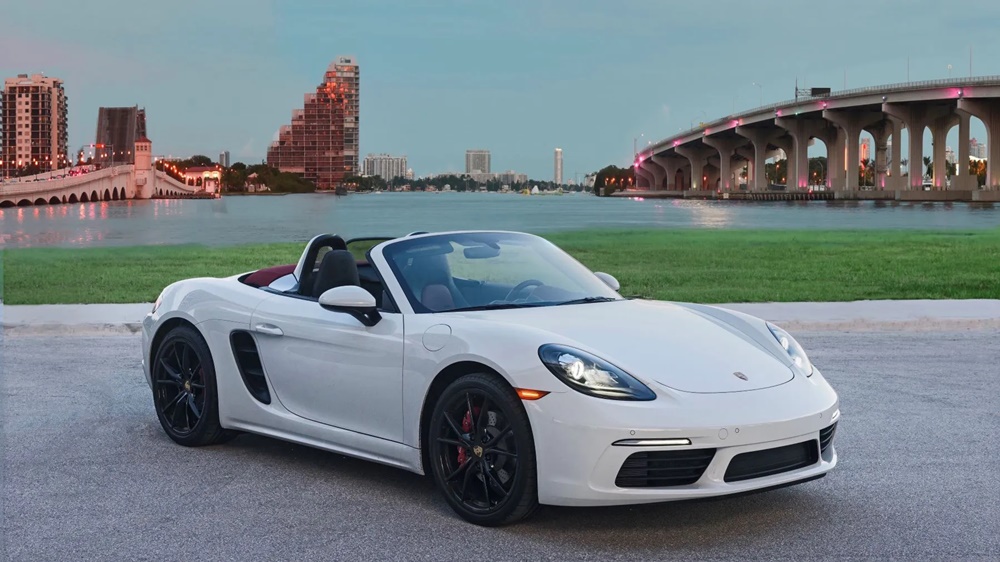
(522, 286)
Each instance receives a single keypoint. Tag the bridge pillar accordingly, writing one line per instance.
(896, 158)
(989, 111)
(798, 175)
(962, 179)
(727, 148)
(698, 156)
(880, 131)
(852, 122)
(643, 176)
(916, 118)
(670, 165)
(658, 173)
(836, 145)
(760, 138)
(939, 134)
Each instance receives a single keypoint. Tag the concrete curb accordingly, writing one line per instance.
(857, 316)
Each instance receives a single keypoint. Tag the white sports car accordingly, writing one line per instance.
(496, 363)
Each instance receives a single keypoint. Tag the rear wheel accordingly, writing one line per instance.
(482, 452)
(184, 389)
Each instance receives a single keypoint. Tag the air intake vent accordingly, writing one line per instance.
(248, 361)
(826, 437)
(661, 469)
(759, 464)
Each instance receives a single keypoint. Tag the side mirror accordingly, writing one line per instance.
(608, 279)
(352, 300)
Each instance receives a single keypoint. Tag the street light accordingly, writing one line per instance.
(635, 151)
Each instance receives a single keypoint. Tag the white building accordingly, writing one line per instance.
(511, 177)
(385, 166)
(477, 161)
(559, 167)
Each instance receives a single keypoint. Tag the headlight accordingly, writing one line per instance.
(156, 304)
(793, 348)
(592, 375)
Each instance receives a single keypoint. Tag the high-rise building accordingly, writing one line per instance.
(949, 155)
(865, 150)
(33, 120)
(477, 161)
(385, 166)
(321, 143)
(224, 158)
(559, 167)
(976, 149)
(117, 130)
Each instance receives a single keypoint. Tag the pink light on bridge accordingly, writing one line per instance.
(677, 142)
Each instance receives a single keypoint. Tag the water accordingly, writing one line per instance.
(251, 219)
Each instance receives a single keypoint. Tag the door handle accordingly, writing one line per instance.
(269, 329)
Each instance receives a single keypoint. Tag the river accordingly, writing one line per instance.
(252, 219)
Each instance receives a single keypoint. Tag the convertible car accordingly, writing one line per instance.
(497, 364)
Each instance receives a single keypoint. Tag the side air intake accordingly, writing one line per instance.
(248, 361)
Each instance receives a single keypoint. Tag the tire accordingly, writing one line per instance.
(474, 450)
(185, 394)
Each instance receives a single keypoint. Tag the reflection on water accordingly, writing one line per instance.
(248, 219)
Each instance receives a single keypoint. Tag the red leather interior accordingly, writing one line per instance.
(266, 276)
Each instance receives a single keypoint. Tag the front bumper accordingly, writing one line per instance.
(578, 465)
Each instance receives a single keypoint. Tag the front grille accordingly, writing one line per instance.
(826, 437)
(658, 469)
(772, 461)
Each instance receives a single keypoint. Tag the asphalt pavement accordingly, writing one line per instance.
(89, 475)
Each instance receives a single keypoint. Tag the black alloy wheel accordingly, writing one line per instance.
(482, 452)
(184, 389)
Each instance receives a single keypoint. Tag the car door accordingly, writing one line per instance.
(328, 367)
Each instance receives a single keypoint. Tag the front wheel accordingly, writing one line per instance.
(482, 452)
(184, 389)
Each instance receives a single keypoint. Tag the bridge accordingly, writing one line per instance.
(131, 181)
(703, 161)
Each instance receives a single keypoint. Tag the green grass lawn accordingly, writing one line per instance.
(686, 265)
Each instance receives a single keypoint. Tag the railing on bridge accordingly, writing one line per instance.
(49, 185)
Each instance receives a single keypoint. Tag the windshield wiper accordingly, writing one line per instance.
(585, 300)
(497, 306)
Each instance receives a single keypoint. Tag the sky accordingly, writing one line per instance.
(517, 77)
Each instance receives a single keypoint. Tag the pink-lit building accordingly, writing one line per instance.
(321, 143)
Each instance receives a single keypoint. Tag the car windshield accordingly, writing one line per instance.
(485, 270)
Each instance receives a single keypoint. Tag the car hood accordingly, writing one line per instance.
(690, 348)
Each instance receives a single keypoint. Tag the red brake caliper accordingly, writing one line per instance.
(466, 427)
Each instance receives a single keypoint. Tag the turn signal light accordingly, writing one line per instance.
(528, 394)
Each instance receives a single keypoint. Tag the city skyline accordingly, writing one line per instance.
(527, 60)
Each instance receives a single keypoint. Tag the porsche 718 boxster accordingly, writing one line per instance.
(495, 363)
